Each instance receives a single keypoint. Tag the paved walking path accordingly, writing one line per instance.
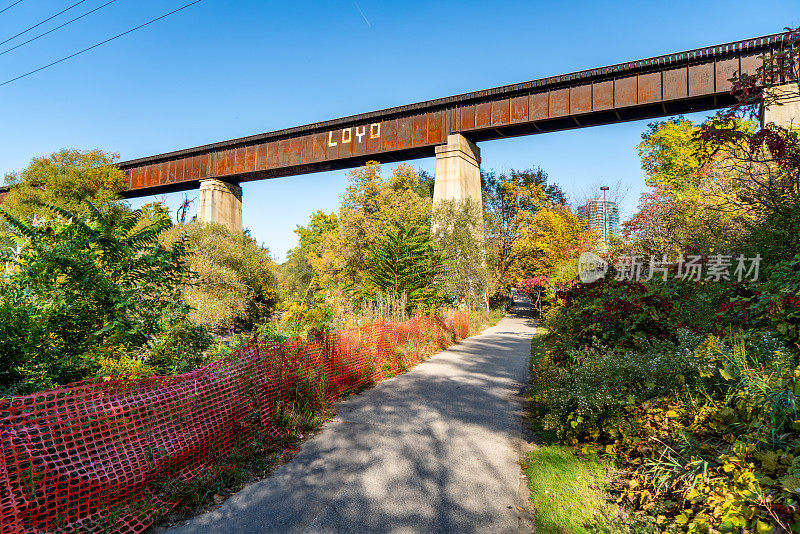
(433, 450)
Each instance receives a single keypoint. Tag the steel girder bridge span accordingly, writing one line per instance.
(448, 128)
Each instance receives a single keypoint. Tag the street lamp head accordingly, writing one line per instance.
(604, 188)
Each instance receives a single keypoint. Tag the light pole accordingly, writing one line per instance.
(605, 224)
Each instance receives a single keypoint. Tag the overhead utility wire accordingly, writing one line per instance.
(56, 28)
(9, 7)
(42, 22)
(56, 62)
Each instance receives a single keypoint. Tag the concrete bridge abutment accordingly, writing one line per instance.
(220, 202)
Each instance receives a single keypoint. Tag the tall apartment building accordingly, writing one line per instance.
(594, 213)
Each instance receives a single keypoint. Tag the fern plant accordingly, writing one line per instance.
(404, 260)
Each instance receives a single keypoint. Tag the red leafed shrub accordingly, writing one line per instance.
(534, 287)
(531, 286)
(739, 307)
(613, 313)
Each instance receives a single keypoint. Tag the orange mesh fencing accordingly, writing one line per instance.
(85, 458)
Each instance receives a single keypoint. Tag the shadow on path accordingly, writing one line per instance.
(432, 450)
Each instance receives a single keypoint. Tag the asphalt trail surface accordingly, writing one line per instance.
(433, 450)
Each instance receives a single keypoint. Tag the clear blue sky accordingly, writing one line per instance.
(223, 69)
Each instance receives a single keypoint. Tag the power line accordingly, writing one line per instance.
(56, 28)
(9, 7)
(100, 43)
(42, 22)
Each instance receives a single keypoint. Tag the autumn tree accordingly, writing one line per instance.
(670, 153)
(297, 273)
(510, 200)
(763, 168)
(693, 200)
(549, 238)
(458, 231)
(654, 229)
(370, 204)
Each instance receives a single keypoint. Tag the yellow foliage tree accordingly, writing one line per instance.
(670, 153)
(370, 205)
(537, 237)
(694, 202)
(549, 238)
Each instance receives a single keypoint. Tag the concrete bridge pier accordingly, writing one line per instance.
(785, 111)
(221, 203)
(458, 177)
(458, 170)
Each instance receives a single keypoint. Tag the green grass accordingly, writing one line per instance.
(566, 491)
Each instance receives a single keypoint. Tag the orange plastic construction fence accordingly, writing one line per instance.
(85, 458)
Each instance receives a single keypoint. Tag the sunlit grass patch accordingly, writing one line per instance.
(566, 490)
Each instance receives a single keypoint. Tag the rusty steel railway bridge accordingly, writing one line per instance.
(694, 80)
